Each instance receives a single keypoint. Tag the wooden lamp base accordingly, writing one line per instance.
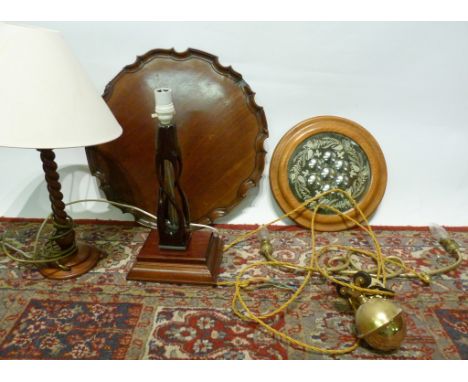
(198, 264)
(79, 262)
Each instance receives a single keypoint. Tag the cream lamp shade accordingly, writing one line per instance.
(46, 99)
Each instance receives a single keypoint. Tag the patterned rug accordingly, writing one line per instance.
(100, 315)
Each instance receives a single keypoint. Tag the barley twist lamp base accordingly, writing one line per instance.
(84, 257)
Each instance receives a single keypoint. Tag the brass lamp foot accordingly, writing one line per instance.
(78, 263)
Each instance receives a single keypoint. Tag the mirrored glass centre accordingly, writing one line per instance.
(326, 161)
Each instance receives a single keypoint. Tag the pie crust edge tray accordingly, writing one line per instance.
(105, 172)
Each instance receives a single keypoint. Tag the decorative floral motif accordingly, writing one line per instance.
(71, 330)
(218, 335)
(325, 161)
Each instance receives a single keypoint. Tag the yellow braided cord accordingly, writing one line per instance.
(43, 253)
(381, 272)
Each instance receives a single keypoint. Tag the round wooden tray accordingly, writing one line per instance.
(319, 153)
(221, 131)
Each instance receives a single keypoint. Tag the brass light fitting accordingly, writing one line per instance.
(379, 321)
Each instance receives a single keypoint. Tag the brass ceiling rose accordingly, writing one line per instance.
(323, 153)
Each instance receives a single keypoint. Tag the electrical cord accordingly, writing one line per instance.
(382, 271)
(49, 251)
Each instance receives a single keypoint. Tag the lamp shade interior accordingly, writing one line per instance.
(46, 98)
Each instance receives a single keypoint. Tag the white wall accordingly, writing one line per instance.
(407, 83)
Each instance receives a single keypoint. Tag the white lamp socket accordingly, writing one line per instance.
(164, 108)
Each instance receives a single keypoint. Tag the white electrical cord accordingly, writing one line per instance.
(149, 224)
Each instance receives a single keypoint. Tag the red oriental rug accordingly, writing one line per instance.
(100, 315)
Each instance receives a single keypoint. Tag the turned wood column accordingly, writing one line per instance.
(63, 223)
(78, 258)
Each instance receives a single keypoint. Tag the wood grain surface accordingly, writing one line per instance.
(221, 132)
(279, 170)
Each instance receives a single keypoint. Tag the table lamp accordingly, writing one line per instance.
(173, 253)
(48, 102)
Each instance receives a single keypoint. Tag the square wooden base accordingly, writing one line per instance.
(198, 264)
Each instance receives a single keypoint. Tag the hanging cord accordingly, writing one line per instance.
(381, 271)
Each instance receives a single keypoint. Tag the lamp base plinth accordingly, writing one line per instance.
(79, 262)
(198, 264)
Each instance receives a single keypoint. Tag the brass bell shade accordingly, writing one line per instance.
(380, 323)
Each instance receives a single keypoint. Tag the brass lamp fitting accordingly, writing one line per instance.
(379, 321)
(441, 235)
(266, 249)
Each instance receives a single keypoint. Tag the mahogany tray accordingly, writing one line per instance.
(221, 132)
(323, 153)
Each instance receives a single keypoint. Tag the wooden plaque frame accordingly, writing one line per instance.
(221, 131)
(327, 124)
(199, 264)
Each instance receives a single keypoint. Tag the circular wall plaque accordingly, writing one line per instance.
(220, 129)
(323, 153)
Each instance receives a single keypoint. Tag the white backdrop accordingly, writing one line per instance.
(407, 83)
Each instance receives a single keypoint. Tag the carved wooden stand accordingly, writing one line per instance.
(172, 253)
(82, 257)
